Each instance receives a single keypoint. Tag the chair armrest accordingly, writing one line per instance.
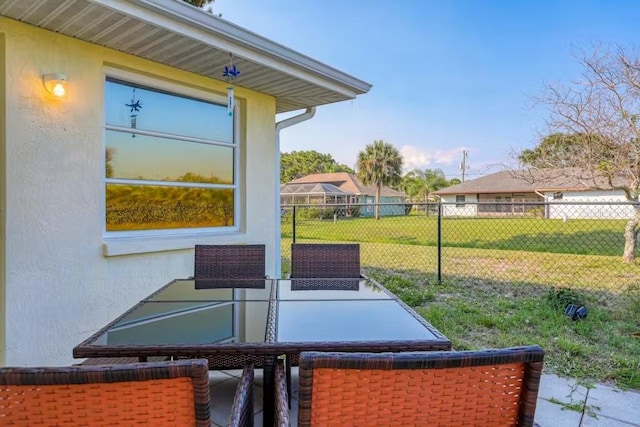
(242, 410)
(281, 398)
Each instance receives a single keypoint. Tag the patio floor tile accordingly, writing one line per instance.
(608, 403)
(565, 390)
(550, 414)
(223, 388)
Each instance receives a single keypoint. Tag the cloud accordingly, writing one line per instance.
(416, 158)
(448, 157)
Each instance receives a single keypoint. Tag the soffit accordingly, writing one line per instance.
(177, 34)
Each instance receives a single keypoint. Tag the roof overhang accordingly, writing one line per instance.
(177, 34)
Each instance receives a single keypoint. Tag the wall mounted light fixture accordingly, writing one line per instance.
(56, 84)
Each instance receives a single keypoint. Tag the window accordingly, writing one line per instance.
(557, 195)
(170, 160)
(460, 201)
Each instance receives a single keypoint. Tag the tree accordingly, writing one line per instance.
(202, 3)
(199, 3)
(379, 164)
(556, 150)
(421, 183)
(301, 163)
(594, 135)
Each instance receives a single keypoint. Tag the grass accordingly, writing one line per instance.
(600, 348)
(595, 273)
(577, 236)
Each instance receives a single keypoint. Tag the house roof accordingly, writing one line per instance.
(348, 182)
(313, 188)
(522, 181)
(177, 34)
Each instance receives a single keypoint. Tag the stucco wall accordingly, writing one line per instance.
(60, 286)
(2, 204)
(368, 210)
(451, 208)
(599, 205)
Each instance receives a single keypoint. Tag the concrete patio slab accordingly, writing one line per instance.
(602, 421)
(611, 404)
(565, 390)
(553, 415)
(223, 386)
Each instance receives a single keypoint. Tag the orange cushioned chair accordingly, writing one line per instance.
(469, 388)
(158, 394)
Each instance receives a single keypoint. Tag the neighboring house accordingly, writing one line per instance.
(360, 193)
(519, 193)
(313, 194)
(106, 190)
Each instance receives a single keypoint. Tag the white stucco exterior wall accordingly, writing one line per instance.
(609, 205)
(60, 287)
(450, 208)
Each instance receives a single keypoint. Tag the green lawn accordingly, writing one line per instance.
(590, 237)
(604, 347)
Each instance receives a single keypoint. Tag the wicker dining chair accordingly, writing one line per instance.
(224, 266)
(159, 394)
(479, 388)
(229, 262)
(325, 260)
(227, 266)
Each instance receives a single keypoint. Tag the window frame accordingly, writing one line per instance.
(461, 203)
(176, 89)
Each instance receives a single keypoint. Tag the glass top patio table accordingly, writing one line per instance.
(264, 318)
(272, 316)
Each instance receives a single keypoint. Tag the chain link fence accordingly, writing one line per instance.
(496, 274)
(530, 248)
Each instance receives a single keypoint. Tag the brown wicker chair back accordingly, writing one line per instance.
(229, 262)
(322, 260)
(479, 388)
(159, 394)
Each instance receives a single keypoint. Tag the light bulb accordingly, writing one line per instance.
(59, 90)
(56, 84)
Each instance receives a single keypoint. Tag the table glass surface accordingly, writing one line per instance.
(184, 323)
(214, 290)
(329, 289)
(303, 311)
(343, 320)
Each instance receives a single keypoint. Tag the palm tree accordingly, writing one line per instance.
(424, 182)
(421, 183)
(379, 164)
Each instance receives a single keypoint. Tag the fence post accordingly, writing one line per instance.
(293, 222)
(439, 243)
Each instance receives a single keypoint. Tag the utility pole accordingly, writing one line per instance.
(463, 163)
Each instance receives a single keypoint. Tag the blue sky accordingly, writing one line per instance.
(447, 76)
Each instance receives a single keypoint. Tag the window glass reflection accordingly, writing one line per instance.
(154, 136)
(160, 159)
(157, 111)
(141, 207)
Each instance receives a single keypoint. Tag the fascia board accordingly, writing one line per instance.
(189, 21)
